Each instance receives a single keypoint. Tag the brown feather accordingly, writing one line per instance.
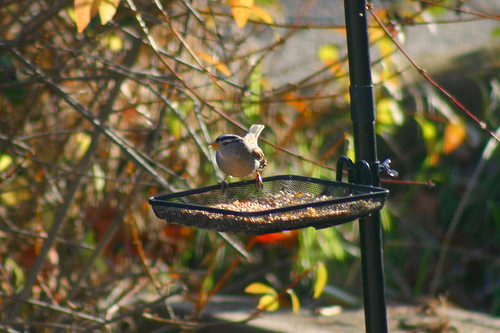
(259, 155)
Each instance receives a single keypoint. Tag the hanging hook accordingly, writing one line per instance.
(363, 173)
(340, 168)
(358, 172)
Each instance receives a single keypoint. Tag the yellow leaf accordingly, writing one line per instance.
(321, 279)
(454, 135)
(259, 288)
(219, 65)
(107, 10)
(386, 47)
(384, 111)
(268, 303)
(99, 175)
(295, 301)
(84, 11)
(83, 141)
(389, 112)
(329, 55)
(241, 10)
(262, 15)
(16, 192)
(5, 161)
(114, 42)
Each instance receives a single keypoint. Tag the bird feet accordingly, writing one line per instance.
(224, 185)
(258, 180)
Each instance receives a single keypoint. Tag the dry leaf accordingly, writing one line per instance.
(454, 135)
(241, 10)
(293, 100)
(221, 67)
(84, 11)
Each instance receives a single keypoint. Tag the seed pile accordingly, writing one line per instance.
(279, 199)
(269, 221)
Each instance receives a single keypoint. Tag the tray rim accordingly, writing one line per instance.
(373, 192)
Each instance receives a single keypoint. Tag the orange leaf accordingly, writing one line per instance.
(278, 237)
(454, 135)
(84, 11)
(241, 10)
(221, 67)
(296, 102)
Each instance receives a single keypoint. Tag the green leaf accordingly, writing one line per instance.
(495, 33)
(15, 94)
(17, 271)
(330, 243)
(429, 132)
(386, 219)
(252, 107)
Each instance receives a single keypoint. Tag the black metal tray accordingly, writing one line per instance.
(284, 203)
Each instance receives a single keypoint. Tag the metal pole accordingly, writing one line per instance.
(363, 118)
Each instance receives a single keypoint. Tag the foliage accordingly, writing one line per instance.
(105, 103)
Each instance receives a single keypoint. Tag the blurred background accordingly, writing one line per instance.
(105, 104)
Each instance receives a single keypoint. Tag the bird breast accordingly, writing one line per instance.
(237, 164)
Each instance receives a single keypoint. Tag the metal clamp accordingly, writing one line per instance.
(385, 167)
(360, 172)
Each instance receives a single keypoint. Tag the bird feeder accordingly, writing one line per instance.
(293, 202)
(282, 203)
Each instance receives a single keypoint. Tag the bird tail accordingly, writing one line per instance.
(255, 130)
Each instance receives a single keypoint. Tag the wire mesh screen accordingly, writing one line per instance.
(284, 203)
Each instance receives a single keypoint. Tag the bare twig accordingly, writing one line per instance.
(422, 72)
(56, 308)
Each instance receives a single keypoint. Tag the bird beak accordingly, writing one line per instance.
(214, 145)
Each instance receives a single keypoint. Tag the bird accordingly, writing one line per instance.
(240, 156)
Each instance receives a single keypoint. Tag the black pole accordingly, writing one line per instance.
(363, 118)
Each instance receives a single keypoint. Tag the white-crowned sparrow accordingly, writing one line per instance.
(240, 156)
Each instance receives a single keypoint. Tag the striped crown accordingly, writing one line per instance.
(226, 139)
